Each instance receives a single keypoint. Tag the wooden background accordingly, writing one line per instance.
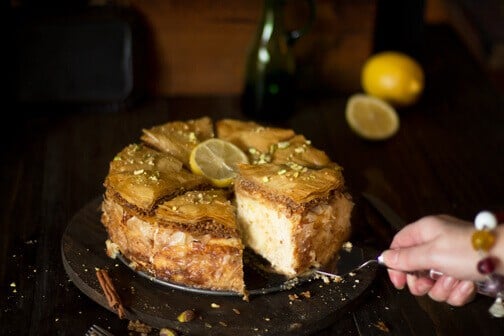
(200, 46)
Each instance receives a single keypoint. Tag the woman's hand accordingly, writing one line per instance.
(442, 243)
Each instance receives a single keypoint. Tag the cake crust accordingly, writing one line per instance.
(294, 187)
(197, 251)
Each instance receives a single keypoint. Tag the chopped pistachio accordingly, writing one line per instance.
(150, 161)
(282, 171)
(138, 172)
(192, 137)
(265, 179)
(272, 148)
(186, 316)
(283, 144)
(117, 158)
(167, 332)
(295, 166)
(214, 305)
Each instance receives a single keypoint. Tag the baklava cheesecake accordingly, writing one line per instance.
(288, 204)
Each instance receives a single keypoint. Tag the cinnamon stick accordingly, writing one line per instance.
(111, 295)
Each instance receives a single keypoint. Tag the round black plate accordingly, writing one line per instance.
(258, 279)
(308, 306)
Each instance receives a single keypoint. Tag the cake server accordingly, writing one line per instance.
(433, 274)
(397, 223)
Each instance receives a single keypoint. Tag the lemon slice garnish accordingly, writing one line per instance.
(217, 160)
(371, 117)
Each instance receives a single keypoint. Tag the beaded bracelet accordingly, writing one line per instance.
(483, 239)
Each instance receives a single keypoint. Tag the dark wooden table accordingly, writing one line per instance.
(446, 158)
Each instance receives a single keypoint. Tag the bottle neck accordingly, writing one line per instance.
(272, 18)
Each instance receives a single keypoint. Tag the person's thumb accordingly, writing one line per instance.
(407, 259)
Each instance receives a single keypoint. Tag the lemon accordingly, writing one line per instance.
(394, 77)
(371, 117)
(217, 159)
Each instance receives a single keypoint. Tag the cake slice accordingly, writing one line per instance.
(292, 205)
(296, 218)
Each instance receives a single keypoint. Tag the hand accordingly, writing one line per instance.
(442, 243)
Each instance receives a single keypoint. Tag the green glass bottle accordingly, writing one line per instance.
(269, 92)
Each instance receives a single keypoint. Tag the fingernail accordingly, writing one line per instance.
(423, 288)
(448, 282)
(400, 287)
(397, 280)
(387, 257)
(466, 287)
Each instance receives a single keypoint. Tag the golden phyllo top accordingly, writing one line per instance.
(143, 177)
(178, 138)
(282, 164)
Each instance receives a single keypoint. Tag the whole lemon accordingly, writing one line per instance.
(394, 77)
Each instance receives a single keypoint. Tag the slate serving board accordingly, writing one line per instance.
(274, 313)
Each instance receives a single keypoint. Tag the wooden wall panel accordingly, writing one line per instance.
(201, 45)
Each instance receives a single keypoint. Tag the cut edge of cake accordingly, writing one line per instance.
(294, 231)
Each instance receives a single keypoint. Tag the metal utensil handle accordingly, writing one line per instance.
(435, 275)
